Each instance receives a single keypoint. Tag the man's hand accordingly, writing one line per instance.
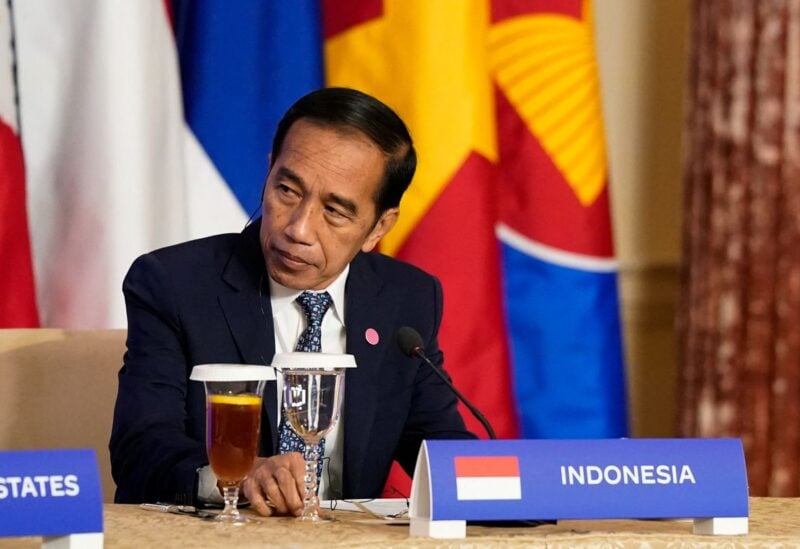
(275, 485)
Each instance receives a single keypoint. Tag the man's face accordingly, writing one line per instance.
(319, 207)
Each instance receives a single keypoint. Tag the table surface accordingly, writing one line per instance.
(774, 522)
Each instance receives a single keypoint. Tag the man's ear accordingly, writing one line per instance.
(384, 224)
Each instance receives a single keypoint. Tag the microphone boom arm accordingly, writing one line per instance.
(417, 351)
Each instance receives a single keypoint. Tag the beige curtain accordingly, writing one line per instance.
(739, 317)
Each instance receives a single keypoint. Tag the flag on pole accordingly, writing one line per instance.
(428, 61)
(17, 294)
(100, 102)
(554, 222)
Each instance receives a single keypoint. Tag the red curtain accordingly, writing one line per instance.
(739, 318)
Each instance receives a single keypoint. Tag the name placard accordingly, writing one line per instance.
(49, 493)
(702, 479)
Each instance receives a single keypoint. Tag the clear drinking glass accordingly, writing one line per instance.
(233, 420)
(313, 389)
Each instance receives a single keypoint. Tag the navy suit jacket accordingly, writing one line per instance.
(207, 301)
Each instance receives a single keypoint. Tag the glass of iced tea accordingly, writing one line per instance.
(313, 390)
(233, 421)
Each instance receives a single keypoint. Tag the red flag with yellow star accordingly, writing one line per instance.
(428, 61)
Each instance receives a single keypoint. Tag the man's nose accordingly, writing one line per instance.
(301, 227)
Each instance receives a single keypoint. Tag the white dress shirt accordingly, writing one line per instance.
(290, 321)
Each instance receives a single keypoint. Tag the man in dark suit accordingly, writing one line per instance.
(340, 163)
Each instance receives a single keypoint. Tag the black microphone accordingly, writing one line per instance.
(410, 342)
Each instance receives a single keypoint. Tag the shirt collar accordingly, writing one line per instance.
(281, 297)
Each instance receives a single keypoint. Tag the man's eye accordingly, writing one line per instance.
(333, 212)
(285, 190)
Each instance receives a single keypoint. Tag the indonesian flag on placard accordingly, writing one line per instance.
(487, 477)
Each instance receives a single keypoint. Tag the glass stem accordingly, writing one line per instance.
(231, 496)
(310, 498)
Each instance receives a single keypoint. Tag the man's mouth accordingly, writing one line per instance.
(290, 259)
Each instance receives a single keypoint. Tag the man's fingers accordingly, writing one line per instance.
(253, 493)
(275, 485)
(288, 487)
(297, 466)
(276, 497)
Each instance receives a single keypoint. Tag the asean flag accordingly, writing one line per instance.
(554, 226)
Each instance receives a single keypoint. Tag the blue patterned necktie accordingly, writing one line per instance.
(315, 306)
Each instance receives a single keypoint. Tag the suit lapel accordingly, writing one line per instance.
(366, 308)
(249, 316)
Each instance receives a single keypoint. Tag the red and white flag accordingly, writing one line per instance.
(18, 302)
(487, 477)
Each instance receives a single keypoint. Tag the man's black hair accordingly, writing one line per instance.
(348, 108)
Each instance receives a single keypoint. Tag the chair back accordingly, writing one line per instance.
(57, 390)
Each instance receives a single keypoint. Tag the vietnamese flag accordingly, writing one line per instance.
(428, 61)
